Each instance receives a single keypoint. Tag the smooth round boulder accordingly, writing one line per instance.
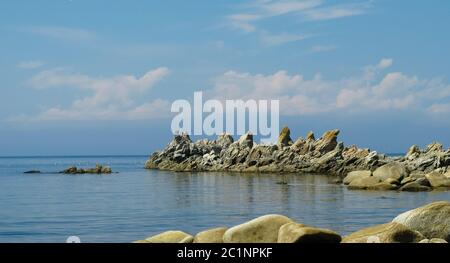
(171, 237)
(355, 175)
(214, 235)
(263, 229)
(393, 170)
(386, 233)
(299, 233)
(438, 180)
(432, 220)
(363, 183)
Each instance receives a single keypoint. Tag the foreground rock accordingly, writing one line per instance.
(299, 233)
(426, 224)
(170, 237)
(214, 235)
(432, 220)
(385, 233)
(263, 229)
(99, 169)
(325, 155)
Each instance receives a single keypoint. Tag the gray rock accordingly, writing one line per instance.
(363, 183)
(432, 220)
(437, 180)
(355, 175)
(393, 170)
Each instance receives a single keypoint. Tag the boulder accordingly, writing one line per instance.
(414, 187)
(299, 233)
(171, 237)
(214, 235)
(385, 233)
(393, 170)
(355, 175)
(363, 183)
(437, 179)
(263, 229)
(70, 170)
(432, 220)
(284, 139)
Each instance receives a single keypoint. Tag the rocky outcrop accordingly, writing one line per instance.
(432, 220)
(325, 155)
(99, 169)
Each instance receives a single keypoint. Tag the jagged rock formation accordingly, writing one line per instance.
(99, 169)
(324, 155)
(412, 172)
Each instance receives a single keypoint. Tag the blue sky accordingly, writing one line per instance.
(98, 77)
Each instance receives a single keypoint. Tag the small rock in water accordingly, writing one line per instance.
(32, 172)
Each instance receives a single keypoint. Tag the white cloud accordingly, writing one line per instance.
(60, 32)
(32, 64)
(336, 11)
(111, 98)
(372, 90)
(309, 10)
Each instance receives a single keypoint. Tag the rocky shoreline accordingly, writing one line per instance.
(425, 224)
(363, 169)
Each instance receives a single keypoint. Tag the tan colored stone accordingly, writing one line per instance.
(263, 229)
(385, 233)
(214, 235)
(299, 233)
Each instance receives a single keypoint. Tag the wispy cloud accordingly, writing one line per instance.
(337, 11)
(370, 91)
(250, 15)
(111, 98)
(31, 64)
(60, 32)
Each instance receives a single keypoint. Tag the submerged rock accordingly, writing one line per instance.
(32, 172)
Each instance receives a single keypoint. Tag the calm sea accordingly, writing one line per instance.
(136, 203)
